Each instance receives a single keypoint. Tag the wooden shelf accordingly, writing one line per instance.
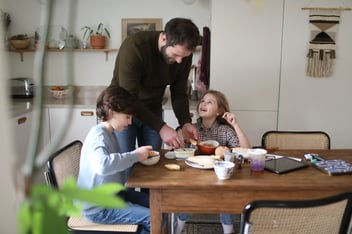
(106, 51)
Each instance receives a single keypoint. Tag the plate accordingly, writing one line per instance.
(200, 162)
(170, 155)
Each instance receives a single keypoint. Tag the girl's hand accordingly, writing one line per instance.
(229, 117)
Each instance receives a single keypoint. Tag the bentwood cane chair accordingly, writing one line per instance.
(276, 140)
(65, 163)
(319, 216)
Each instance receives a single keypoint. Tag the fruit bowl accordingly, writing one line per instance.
(58, 92)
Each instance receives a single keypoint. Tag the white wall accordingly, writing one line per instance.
(315, 103)
(259, 61)
(91, 68)
(245, 61)
(8, 156)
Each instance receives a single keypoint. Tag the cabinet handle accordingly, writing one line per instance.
(21, 120)
(87, 113)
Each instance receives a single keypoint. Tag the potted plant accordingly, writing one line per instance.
(20, 41)
(97, 36)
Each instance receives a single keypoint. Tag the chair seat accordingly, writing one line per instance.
(80, 223)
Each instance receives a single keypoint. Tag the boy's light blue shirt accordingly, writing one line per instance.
(101, 162)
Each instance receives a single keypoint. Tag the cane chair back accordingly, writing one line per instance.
(276, 140)
(320, 216)
(65, 163)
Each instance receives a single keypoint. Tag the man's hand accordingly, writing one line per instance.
(189, 131)
(170, 137)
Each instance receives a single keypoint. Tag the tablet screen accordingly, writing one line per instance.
(283, 165)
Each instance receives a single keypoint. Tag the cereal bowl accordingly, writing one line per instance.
(153, 158)
(208, 147)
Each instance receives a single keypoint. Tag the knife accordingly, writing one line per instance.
(194, 163)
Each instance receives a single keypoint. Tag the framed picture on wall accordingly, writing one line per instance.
(130, 26)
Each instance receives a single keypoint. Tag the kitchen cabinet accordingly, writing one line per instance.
(170, 118)
(22, 128)
(76, 128)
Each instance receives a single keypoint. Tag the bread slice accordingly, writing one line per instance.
(173, 167)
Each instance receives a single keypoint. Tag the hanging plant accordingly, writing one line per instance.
(6, 19)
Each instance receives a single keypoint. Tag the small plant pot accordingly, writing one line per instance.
(97, 42)
(20, 44)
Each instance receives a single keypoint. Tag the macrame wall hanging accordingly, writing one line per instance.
(321, 55)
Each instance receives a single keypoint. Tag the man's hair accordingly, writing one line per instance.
(117, 99)
(180, 31)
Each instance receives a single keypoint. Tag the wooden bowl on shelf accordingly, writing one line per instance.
(20, 44)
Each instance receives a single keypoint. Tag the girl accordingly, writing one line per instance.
(215, 122)
(102, 163)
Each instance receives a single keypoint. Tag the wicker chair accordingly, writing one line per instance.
(276, 140)
(65, 163)
(320, 216)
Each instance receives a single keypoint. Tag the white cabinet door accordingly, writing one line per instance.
(170, 118)
(76, 128)
(22, 129)
(22, 126)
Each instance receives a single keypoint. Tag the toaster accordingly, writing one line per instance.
(21, 87)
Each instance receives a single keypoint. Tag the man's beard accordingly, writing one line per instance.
(165, 56)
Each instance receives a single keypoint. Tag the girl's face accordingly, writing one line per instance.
(119, 120)
(208, 107)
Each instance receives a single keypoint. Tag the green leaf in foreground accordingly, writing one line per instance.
(47, 208)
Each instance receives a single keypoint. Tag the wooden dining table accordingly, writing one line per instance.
(194, 190)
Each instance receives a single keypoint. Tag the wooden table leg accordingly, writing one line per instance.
(155, 211)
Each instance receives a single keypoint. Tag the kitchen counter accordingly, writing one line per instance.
(84, 97)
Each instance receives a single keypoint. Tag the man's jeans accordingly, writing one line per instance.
(140, 132)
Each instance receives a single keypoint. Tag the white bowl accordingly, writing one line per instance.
(224, 169)
(184, 153)
(170, 155)
(153, 158)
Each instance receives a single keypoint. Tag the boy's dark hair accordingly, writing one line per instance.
(117, 99)
(180, 31)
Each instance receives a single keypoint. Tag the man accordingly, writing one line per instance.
(146, 63)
